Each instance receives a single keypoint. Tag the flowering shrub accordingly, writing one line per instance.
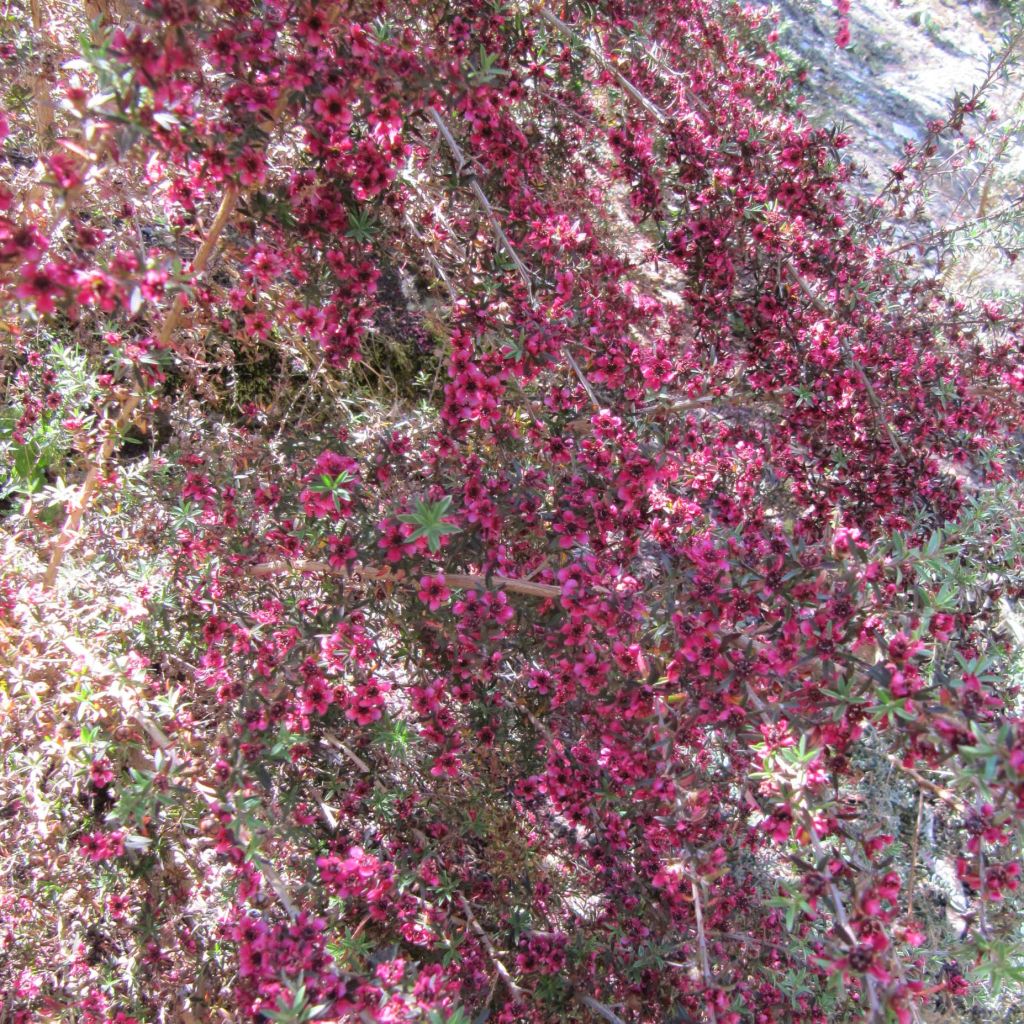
(567, 692)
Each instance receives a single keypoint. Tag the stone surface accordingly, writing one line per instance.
(903, 65)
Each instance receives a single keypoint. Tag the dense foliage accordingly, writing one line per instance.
(495, 529)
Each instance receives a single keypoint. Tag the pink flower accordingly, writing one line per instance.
(434, 591)
(446, 764)
(844, 540)
(117, 905)
(251, 167)
(41, 284)
(367, 704)
(101, 772)
(98, 846)
(334, 107)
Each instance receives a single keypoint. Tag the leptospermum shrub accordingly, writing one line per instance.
(648, 661)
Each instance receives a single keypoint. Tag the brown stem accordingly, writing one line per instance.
(702, 941)
(102, 671)
(227, 206)
(854, 364)
(841, 916)
(41, 91)
(702, 945)
(83, 499)
(566, 30)
(334, 741)
(833, 889)
(913, 857)
(465, 581)
(581, 377)
(438, 269)
(461, 165)
(945, 795)
(42, 104)
(599, 1008)
(516, 992)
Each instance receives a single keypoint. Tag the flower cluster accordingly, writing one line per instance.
(564, 689)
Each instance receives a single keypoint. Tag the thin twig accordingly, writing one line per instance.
(83, 499)
(42, 94)
(912, 878)
(702, 945)
(841, 916)
(463, 168)
(517, 993)
(42, 102)
(854, 364)
(581, 376)
(941, 234)
(566, 30)
(599, 1008)
(98, 669)
(438, 269)
(946, 795)
(349, 753)
(702, 941)
(465, 581)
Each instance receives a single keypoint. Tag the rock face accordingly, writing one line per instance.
(904, 62)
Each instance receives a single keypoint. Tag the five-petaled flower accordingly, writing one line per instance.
(434, 591)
